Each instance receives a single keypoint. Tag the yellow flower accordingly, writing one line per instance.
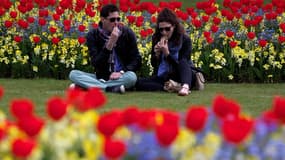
(35, 68)
(230, 77)
(185, 139)
(266, 66)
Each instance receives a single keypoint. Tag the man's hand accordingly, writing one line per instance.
(115, 75)
(113, 38)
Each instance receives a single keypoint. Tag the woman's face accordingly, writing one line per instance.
(166, 29)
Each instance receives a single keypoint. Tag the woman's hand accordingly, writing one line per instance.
(163, 44)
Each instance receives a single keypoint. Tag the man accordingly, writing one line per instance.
(114, 55)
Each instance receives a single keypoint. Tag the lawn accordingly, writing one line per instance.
(253, 98)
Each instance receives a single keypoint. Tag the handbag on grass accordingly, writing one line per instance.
(200, 79)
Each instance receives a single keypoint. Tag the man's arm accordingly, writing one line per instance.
(97, 53)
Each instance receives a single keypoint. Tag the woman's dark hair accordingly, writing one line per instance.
(167, 15)
(107, 9)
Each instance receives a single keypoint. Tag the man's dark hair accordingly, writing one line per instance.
(107, 9)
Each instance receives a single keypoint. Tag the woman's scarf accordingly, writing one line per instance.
(164, 66)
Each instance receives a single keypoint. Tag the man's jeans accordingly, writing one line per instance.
(87, 80)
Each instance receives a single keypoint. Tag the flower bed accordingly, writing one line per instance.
(239, 41)
(72, 129)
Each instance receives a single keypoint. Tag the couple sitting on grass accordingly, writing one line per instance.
(115, 57)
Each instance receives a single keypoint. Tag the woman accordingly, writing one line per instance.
(170, 57)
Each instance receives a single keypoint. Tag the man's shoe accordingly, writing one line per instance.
(116, 89)
(75, 86)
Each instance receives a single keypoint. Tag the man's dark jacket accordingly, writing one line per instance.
(126, 49)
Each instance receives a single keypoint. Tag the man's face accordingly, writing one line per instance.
(111, 21)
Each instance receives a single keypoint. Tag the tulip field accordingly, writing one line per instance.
(234, 41)
(73, 129)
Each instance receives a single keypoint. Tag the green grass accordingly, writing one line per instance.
(254, 98)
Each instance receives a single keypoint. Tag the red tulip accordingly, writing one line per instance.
(36, 39)
(21, 108)
(233, 44)
(262, 42)
(7, 5)
(217, 20)
(22, 9)
(281, 39)
(130, 115)
(143, 33)
(282, 27)
(207, 34)
(43, 12)
(114, 149)
(166, 133)
(1, 92)
(94, 98)
(31, 125)
(170, 117)
(2, 11)
(131, 18)
(196, 118)
(247, 23)
(211, 10)
(81, 40)
(42, 21)
(22, 148)
(214, 28)
(197, 23)
(190, 10)
(146, 119)
(81, 28)
(56, 108)
(51, 2)
(227, 3)
(13, 14)
(269, 116)
(230, 33)
(223, 107)
(153, 19)
(182, 15)
(278, 107)
(52, 29)
(205, 18)
(18, 39)
(136, 1)
(66, 22)
(23, 24)
(251, 35)
(237, 130)
(2, 133)
(8, 23)
(109, 122)
(56, 17)
(194, 15)
(31, 19)
(209, 40)
(55, 40)
(59, 10)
